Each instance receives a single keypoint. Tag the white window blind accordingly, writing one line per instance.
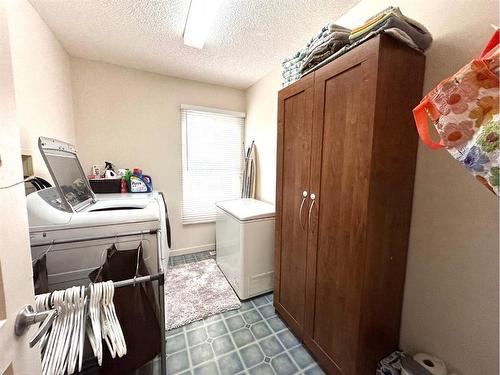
(212, 160)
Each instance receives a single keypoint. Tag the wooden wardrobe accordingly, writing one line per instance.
(346, 162)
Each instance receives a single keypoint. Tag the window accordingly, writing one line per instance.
(212, 160)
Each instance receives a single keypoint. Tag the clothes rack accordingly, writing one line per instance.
(159, 277)
(95, 238)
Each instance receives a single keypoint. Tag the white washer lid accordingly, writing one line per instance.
(247, 208)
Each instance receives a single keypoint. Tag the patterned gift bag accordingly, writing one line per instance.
(464, 110)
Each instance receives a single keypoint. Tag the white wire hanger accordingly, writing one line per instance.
(112, 332)
(81, 311)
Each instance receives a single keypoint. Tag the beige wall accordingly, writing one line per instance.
(42, 80)
(451, 293)
(260, 126)
(132, 118)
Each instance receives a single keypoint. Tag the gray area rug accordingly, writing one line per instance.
(195, 291)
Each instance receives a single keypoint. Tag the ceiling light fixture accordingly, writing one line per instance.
(200, 16)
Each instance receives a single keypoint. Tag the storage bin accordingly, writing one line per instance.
(106, 185)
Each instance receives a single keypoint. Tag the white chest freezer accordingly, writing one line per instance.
(245, 245)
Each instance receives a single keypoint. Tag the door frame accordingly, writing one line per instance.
(16, 278)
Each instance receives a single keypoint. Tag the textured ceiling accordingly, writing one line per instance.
(248, 38)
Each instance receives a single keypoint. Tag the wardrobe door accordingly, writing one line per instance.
(343, 116)
(295, 106)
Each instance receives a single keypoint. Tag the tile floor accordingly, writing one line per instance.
(252, 340)
(190, 258)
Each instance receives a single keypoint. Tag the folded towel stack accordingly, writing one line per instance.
(391, 21)
(334, 40)
(329, 40)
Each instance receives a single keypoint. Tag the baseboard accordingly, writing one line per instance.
(194, 249)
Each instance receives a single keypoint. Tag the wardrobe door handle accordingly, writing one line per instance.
(313, 200)
(304, 197)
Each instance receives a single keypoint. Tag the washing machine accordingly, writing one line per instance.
(70, 211)
(245, 245)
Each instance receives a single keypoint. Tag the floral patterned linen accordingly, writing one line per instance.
(464, 110)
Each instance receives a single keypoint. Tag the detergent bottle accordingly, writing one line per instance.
(140, 183)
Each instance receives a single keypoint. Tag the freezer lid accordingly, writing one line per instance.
(247, 209)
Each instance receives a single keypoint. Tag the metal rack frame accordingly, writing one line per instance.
(95, 238)
(159, 277)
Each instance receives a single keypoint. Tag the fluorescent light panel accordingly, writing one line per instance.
(200, 17)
